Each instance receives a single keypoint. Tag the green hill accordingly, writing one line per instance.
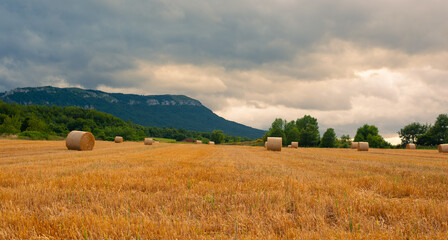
(45, 122)
(175, 111)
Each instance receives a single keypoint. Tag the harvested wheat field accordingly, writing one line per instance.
(189, 191)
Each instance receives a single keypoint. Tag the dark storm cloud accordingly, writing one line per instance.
(103, 36)
(298, 55)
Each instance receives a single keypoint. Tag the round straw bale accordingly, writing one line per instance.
(78, 140)
(354, 145)
(266, 144)
(211, 143)
(118, 139)
(289, 146)
(443, 148)
(148, 141)
(363, 146)
(295, 144)
(410, 146)
(198, 142)
(274, 143)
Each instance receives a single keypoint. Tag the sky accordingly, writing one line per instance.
(346, 62)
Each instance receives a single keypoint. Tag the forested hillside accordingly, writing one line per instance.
(176, 111)
(44, 122)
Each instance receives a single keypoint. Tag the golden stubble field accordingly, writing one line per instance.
(186, 191)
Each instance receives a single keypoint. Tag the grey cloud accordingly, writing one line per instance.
(260, 53)
(234, 34)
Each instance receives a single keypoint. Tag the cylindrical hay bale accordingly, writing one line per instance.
(363, 146)
(274, 143)
(410, 146)
(198, 142)
(266, 144)
(81, 141)
(354, 145)
(148, 141)
(443, 148)
(211, 143)
(295, 144)
(118, 139)
(289, 146)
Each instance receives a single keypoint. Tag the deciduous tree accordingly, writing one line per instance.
(328, 139)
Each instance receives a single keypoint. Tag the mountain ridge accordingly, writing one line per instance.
(178, 111)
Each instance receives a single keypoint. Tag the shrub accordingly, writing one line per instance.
(34, 135)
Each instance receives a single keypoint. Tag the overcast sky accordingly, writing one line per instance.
(345, 62)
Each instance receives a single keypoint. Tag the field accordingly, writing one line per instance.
(188, 191)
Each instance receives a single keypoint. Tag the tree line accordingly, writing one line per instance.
(44, 122)
(305, 131)
(52, 122)
(426, 134)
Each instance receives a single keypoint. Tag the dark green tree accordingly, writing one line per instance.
(427, 139)
(440, 129)
(293, 135)
(376, 141)
(276, 130)
(11, 125)
(437, 134)
(328, 139)
(309, 136)
(217, 136)
(236, 139)
(363, 132)
(308, 131)
(291, 132)
(369, 133)
(278, 123)
(2, 117)
(410, 133)
(305, 121)
(180, 137)
(36, 124)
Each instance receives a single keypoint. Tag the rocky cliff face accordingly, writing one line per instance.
(30, 96)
